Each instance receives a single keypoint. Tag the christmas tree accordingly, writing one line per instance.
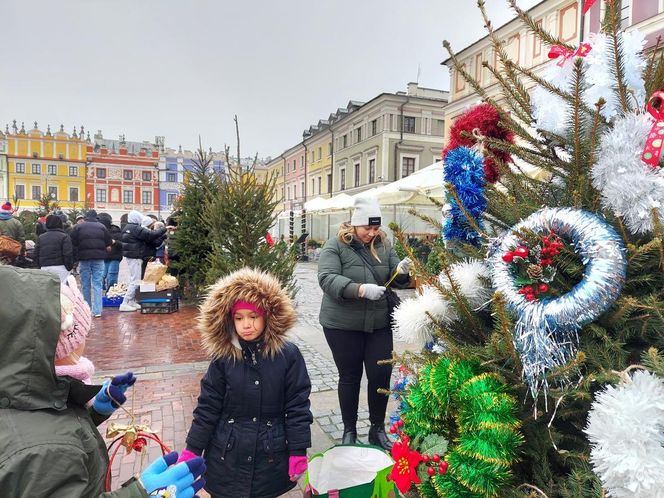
(552, 282)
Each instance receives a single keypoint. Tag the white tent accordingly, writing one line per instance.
(413, 189)
(316, 204)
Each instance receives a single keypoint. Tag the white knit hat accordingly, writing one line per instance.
(367, 212)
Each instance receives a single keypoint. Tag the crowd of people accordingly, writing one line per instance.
(94, 245)
(252, 425)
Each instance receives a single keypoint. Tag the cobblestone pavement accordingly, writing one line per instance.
(164, 351)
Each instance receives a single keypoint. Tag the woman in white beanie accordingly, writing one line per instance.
(352, 272)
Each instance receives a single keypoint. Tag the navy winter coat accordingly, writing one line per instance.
(253, 411)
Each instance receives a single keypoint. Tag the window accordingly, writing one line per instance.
(101, 172)
(288, 193)
(313, 156)
(146, 197)
(128, 196)
(147, 176)
(372, 170)
(101, 195)
(36, 192)
(294, 191)
(73, 171)
(358, 135)
(36, 169)
(625, 8)
(343, 179)
(170, 199)
(19, 191)
(127, 174)
(73, 194)
(302, 190)
(356, 175)
(407, 166)
(344, 141)
(53, 192)
(409, 124)
(329, 149)
(294, 164)
(172, 177)
(320, 153)
(52, 169)
(374, 127)
(320, 179)
(313, 186)
(329, 183)
(20, 167)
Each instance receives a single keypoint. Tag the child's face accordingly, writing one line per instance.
(249, 325)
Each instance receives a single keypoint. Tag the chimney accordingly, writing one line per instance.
(412, 89)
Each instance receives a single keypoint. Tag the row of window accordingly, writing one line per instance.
(319, 152)
(127, 196)
(292, 193)
(128, 174)
(51, 169)
(36, 192)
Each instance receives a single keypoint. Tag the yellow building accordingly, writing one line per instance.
(318, 143)
(275, 168)
(42, 163)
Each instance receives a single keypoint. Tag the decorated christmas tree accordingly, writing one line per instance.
(541, 368)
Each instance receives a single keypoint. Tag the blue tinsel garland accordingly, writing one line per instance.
(464, 168)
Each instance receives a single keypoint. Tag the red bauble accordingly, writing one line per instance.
(430, 471)
(508, 257)
(546, 261)
(521, 251)
(393, 429)
(543, 288)
(399, 423)
(425, 458)
(442, 468)
(485, 118)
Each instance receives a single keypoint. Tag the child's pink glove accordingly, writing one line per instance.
(186, 455)
(297, 465)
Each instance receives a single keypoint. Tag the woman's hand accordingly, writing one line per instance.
(403, 268)
(372, 292)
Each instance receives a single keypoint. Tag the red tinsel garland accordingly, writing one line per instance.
(484, 118)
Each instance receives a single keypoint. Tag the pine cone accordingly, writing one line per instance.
(535, 272)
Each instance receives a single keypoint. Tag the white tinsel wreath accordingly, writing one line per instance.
(626, 432)
(630, 188)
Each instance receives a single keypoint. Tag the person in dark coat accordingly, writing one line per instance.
(113, 258)
(355, 315)
(252, 422)
(135, 240)
(53, 251)
(92, 242)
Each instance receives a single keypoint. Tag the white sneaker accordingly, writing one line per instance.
(127, 307)
(135, 305)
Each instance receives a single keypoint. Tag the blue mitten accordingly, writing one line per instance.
(183, 479)
(103, 404)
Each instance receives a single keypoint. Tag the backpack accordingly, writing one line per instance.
(9, 247)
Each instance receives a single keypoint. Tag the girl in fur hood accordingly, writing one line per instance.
(252, 422)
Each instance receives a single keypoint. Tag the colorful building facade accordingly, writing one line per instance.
(122, 176)
(4, 191)
(45, 163)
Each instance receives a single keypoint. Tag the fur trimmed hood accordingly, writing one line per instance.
(255, 286)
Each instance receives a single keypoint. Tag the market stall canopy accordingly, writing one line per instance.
(316, 204)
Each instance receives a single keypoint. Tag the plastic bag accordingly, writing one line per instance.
(154, 271)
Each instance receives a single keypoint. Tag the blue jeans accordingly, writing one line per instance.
(92, 277)
(111, 269)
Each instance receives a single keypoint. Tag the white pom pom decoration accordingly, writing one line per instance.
(471, 277)
(630, 188)
(410, 319)
(626, 432)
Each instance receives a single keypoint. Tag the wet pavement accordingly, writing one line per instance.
(164, 351)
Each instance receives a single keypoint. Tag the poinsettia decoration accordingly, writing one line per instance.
(404, 471)
(534, 266)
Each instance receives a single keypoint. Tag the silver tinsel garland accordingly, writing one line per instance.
(546, 331)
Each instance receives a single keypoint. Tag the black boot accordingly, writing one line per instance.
(350, 435)
(378, 437)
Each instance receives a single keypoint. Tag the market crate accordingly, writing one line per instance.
(162, 306)
(111, 302)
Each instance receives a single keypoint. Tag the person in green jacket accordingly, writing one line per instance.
(11, 227)
(50, 444)
(355, 316)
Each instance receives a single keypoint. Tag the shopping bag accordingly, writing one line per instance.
(9, 247)
(154, 271)
(350, 471)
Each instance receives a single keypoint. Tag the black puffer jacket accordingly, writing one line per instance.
(116, 235)
(253, 410)
(90, 239)
(54, 248)
(137, 241)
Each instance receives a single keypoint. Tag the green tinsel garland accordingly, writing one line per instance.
(454, 398)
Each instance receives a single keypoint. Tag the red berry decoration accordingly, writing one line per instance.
(436, 458)
(393, 429)
(405, 439)
(425, 458)
(442, 468)
(543, 288)
(400, 423)
(430, 471)
(521, 251)
(508, 257)
(530, 297)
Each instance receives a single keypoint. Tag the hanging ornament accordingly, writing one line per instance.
(468, 129)
(630, 188)
(464, 170)
(653, 148)
(625, 425)
(404, 473)
(546, 330)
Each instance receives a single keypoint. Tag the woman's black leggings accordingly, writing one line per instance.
(352, 350)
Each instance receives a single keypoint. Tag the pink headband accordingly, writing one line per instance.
(246, 305)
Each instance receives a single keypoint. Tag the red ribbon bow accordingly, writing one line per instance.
(566, 54)
(653, 148)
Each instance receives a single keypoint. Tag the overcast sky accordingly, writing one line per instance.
(181, 68)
